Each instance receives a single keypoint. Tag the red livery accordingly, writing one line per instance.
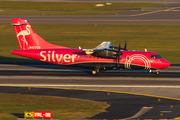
(103, 57)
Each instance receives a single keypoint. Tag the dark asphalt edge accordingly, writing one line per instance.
(107, 91)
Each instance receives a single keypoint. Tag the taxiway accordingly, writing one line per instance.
(160, 15)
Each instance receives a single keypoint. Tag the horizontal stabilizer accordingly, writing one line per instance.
(19, 22)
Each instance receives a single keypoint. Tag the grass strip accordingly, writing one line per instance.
(66, 8)
(13, 106)
(82, 12)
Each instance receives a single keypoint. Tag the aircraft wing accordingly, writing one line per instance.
(100, 47)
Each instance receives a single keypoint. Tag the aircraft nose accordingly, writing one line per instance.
(166, 63)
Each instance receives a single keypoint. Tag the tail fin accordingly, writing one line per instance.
(28, 39)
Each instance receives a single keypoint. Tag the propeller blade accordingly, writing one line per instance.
(125, 45)
(119, 48)
(118, 55)
(118, 64)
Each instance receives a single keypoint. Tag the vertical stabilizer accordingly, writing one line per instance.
(28, 39)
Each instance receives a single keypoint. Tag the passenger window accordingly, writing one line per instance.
(82, 56)
(67, 56)
(90, 57)
(86, 56)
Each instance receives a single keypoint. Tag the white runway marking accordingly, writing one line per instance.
(92, 86)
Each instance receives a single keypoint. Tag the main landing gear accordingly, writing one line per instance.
(95, 71)
(157, 71)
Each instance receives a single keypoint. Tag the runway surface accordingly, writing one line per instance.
(159, 15)
(167, 84)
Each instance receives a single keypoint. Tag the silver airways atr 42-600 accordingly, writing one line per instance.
(103, 57)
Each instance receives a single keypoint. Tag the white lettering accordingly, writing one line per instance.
(34, 47)
(44, 57)
(59, 57)
(48, 115)
(49, 56)
(67, 58)
(53, 57)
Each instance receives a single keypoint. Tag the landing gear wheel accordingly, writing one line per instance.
(157, 72)
(94, 72)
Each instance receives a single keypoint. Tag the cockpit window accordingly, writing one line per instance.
(155, 56)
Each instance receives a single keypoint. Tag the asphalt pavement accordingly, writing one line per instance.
(160, 15)
(121, 105)
(167, 84)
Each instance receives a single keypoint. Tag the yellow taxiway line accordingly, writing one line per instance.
(155, 11)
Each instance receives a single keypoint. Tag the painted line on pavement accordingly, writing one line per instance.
(86, 78)
(155, 11)
(94, 86)
(108, 91)
(146, 13)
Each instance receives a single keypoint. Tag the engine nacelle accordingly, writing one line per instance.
(106, 54)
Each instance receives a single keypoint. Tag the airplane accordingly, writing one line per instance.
(103, 57)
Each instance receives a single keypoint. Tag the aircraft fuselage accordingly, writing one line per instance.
(76, 57)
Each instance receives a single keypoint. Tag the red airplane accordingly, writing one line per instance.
(103, 57)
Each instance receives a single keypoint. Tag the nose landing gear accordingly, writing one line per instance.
(157, 71)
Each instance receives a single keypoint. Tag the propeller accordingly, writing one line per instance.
(118, 55)
(125, 46)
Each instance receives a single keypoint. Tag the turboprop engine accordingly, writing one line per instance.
(107, 53)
